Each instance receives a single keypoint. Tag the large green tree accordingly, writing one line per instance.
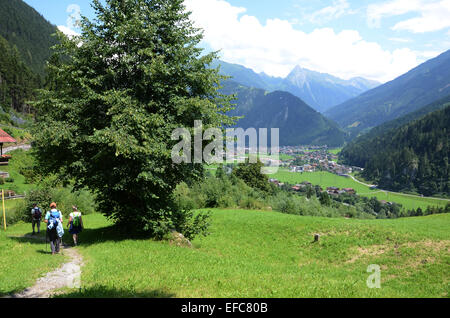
(115, 95)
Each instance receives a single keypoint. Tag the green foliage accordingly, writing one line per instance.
(29, 173)
(309, 192)
(20, 162)
(232, 192)
(14, 211)
(190, 224)
(327, 179)
(413, 157)
(108, 115)
(65, 198)
(251, 174)
(17, 82)
(325, 199)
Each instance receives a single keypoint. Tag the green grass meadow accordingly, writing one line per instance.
(252, 254)
(335, 150)
(327, 179)
(23, 260)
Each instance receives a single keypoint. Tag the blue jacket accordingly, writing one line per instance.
(54, 218)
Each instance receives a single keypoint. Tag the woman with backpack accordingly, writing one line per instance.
(55, 231)
(75, 224)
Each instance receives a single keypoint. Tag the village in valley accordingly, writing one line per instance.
(301, 159)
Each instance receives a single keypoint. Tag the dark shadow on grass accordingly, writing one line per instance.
(106, 292)
(47, 252)
(10, 293)
(87, 237)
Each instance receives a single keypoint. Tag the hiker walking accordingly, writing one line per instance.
(55, 230)
(36, 216)
(75, 224)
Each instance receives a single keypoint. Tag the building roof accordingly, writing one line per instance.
(4, 137)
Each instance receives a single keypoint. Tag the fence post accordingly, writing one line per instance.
(4, 215)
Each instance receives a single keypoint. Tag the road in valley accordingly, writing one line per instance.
(399, 193)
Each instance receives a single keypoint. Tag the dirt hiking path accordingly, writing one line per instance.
(68, 275)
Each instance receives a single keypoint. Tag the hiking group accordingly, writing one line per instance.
(54, 221)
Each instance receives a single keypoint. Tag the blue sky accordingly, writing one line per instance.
(375, 39)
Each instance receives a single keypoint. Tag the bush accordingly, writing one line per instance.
(2, 180)
(14, 212)
(65, 198)
(29, 174)
(10, 180)
(223, 191)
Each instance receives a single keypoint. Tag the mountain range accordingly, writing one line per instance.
(28, 31)
(299, 124)
(410, 157)
(420, 86)
(319, 90)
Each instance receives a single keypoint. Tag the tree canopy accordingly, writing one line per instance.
(115, 95)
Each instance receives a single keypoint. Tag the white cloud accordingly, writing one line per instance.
(426, 55)
(338, 9)
(276, 47)
(402, 40)
(433, 15)
(72, 21)
(67, 31)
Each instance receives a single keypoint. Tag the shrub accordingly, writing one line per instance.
(14, 213)
(29, 174)
(65, 198)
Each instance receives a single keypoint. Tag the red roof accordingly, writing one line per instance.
(4, 137)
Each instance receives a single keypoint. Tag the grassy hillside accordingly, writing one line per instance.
(23, 260)
(326, 179)
(257, 254)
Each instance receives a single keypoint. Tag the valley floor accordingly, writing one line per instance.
(327, 179)
(248, 254)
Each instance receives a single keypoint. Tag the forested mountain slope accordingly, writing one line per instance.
(25, 28)
(413, 157)
(298, 123)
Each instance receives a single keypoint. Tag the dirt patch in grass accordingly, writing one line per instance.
(425, 252)
(435, 246)
(332, 233)
(372, 250)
